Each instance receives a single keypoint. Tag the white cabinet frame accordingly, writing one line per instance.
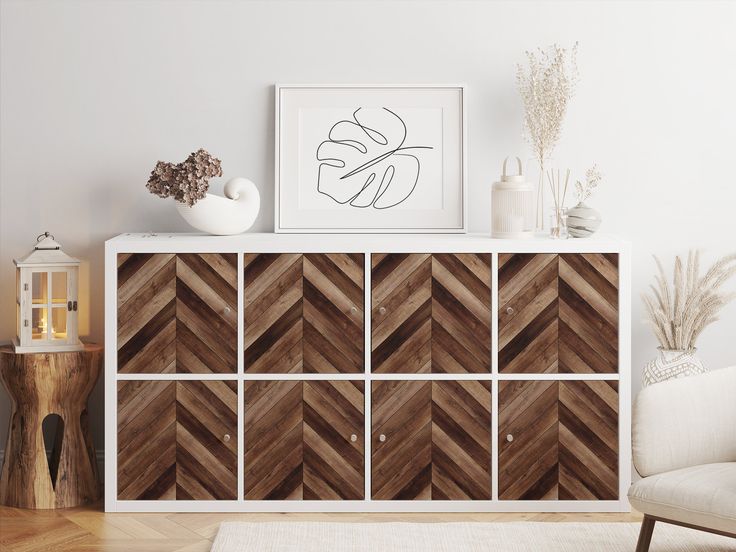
(366, 244)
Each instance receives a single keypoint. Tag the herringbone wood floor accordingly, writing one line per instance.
(89, 529)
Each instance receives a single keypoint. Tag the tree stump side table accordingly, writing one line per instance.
(41, 384)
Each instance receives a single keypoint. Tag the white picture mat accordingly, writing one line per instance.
(434, 113)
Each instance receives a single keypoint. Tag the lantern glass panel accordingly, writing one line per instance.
(58, 288)
(40, 288)
(39, 323)
(58, 323)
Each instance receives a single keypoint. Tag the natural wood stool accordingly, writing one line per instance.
(41, 384)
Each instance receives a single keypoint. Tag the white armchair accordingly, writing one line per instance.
(684, 447)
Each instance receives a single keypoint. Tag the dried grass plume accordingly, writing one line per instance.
(679, 314)
(546, 85)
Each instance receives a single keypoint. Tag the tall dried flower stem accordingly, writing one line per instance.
(546, 86)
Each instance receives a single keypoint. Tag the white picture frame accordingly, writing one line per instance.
(324, 131)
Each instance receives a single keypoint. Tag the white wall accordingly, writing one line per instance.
(93, 93)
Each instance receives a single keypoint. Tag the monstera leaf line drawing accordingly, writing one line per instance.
(364, 162)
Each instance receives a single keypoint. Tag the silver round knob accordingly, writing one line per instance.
(509, 437)
(353, 309)
(226, 437)
(382, 437)
(353, 437)
(509, 310)
(382, 310)
(226, 310)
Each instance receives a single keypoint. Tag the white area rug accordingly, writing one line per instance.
(456, 537)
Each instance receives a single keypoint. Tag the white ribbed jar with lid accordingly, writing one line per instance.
(512, 206)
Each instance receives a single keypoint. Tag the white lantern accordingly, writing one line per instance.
(46, 299)
(512, 206)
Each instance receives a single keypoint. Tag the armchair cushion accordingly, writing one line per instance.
(685, 422)
(704, 496)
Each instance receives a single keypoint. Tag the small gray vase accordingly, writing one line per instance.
(582, 221)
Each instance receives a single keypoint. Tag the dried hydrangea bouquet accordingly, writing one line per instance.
(188, 183)
(680, 313)
(546, 86)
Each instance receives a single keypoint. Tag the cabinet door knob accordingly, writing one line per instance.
(353, 437)
(509, 437)
(353, 309)
(382, 437)
(509, 310)
(226, 310)
(226, 437)
(382, 310)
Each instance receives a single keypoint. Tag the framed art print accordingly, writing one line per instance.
(376, 158)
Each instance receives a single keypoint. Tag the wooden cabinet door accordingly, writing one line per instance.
(206, 440)
(177, 313)
(177, 440)
(558, 440)
(304, 440)
(304, 313)
(588, 288)
(528, 440)
(431, 440)
(431, 313)
(146, 440)
(558, 313)
(401, 440)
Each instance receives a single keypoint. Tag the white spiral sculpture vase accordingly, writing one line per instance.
(224, 216)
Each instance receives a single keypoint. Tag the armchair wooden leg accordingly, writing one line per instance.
(645, 534)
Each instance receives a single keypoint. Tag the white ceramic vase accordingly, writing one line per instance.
(671, 364)
(582, 221)
(223, 216)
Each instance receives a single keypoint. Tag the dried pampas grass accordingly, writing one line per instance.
(679, 314)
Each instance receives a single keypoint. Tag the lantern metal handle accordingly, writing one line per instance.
(518, 163)
(45, 235)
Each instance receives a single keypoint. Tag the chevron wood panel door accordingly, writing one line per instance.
(206, 313)
(401, 440)
(146, 337)
(146, 440)
(461, 440)
(558, 440)
(334, 442)
(206, 440)
(304, 440)
(304, 313)
(588, 442)
(528, 440)
(431, 440)
(558, 313)
(431, 313)
(177, 313)
(588, 318)
(273, 442)
(177, 440)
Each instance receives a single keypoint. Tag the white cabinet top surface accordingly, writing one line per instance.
(357, 243)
